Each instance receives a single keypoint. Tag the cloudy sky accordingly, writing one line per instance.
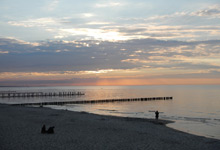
(109, 42)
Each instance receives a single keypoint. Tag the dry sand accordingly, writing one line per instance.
(20, 130)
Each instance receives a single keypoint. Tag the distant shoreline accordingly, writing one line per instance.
(20, 129)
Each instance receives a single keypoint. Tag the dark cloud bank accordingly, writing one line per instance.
(18, 56)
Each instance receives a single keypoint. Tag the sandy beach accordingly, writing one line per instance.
(20, 129)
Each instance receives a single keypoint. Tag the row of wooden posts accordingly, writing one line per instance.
(97, 101)
(37, 94)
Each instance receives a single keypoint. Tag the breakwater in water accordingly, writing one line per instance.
(11, 94)
(97, 101)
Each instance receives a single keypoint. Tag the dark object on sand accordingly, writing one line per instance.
(43, 129)
(156, 114)
(50, 130)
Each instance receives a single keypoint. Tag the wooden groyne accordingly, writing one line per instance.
(12, 94)
(98, 101)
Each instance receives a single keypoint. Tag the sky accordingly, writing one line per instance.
(109, 42)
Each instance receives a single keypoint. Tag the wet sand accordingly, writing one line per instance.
(20, 129)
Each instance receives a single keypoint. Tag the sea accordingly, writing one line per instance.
(194, 109)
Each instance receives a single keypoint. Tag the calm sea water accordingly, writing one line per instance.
(194, 108)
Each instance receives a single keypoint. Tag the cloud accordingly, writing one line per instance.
(88, 15)
(93, 62)
(51, 5)
(97, 34)
(4, 52)
(104, 5)
(109, 21)
(102, 56)
(98, 23)
(40, 22)
(213, 12)
(184, 26)
(54, 75)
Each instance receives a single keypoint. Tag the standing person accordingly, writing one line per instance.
(156, 114)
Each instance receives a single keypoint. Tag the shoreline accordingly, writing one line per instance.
(20, 129)
(172, 123)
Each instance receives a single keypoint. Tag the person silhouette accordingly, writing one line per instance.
(50, 130)
(156, 114)
(43, 129)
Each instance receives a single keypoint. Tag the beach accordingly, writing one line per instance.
(20, 129)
